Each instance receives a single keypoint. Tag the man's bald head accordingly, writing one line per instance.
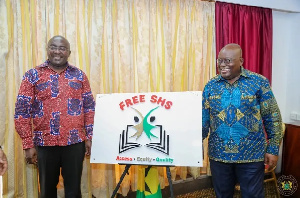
(60, 38)
(234, 47)
(230, 61)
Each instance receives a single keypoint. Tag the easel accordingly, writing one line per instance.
(126, 172)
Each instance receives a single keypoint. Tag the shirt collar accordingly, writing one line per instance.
(47, 63)
(244, 73)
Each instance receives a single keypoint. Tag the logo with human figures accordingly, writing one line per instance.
(287, 185)
(143, 126)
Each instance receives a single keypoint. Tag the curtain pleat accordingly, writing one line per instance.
(124, 46)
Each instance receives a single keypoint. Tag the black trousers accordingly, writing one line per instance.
(70, 160)
(249, 175)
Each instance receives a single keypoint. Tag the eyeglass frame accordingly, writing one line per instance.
(59, 48)
(227, 61)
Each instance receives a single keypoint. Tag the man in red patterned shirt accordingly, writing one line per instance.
(54, 117)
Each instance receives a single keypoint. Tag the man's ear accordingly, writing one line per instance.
(241, 60)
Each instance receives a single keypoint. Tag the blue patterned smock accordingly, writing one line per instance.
(236, 116)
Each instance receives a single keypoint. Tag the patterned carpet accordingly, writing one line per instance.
(270, 192)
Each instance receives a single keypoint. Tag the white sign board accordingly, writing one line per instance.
(162, 129)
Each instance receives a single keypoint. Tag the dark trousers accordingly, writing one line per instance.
(249, 175)
(70, 160)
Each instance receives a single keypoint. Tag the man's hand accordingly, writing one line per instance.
(88, 146)
(31, 156)
(271, 160)
(3, 162)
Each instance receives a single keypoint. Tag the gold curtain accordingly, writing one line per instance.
(123, 46)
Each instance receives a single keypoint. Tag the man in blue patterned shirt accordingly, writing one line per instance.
(241, 113)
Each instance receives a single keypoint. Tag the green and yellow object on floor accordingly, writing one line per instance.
(148, 183)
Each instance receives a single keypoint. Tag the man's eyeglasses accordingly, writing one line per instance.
(227, 61)
(54, 48)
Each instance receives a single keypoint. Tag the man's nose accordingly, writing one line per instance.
(56, 50)
(222, 64)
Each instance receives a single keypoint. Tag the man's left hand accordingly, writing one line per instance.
(271, 160)
(88, 146)
(3, 162)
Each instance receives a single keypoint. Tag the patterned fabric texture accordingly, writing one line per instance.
(237, 115)
(57, 99)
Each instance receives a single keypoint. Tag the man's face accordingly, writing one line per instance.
(58, 51)
(229, 62)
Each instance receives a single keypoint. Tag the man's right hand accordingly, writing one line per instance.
(31, 156)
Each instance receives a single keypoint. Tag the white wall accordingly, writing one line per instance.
(281, 40)
(293, 89)
(286, 5)
(286, 67)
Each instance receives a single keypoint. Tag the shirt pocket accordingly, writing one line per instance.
(75, 84)
(250, 104)
(73, 89)
(215, 104)
(43, 90)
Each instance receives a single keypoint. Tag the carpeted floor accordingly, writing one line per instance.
(201, 188)
(270, 192)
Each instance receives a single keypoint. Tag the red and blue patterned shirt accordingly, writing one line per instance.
(54, 109)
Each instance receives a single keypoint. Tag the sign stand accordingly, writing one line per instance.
(126, 172)
(170, 181)
(121, 179)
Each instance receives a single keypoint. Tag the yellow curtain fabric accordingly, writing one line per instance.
(123, 46)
